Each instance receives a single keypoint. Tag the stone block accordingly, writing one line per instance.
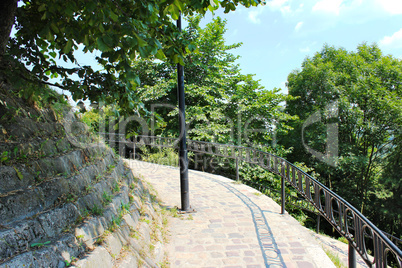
(48, 148)
(23, 260)
(9, 180)
(99, 258)
(90, 230)
(56, 220)
(63, 145)
(20, 205)
(113, 244)
(130, 261)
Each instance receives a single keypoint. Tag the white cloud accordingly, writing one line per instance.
(393, 7)
(277, 4)
(304, 49)
(253, 15)
(280, 5)
(328, 6)
(298, 26)
(394, 40)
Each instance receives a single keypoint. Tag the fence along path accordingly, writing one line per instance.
(346, 219)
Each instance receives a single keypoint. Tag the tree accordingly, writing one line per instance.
(366, 87)
(221, 103)
(122, 30)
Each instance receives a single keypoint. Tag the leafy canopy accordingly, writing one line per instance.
(48, 32)
(222, 104)
(366, 86)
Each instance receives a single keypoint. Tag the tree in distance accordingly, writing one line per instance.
(366, 85)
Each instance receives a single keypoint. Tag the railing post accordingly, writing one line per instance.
(282, 195)
(318, 223)
(134, 149)
(237, 169)
(351, 256)
(283, 188)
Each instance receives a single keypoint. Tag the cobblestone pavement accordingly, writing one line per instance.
(234, 225)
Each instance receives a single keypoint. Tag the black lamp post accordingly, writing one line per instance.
(183, 159)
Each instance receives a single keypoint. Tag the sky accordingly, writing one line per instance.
(277, 37)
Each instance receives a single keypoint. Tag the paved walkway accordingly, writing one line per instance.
(234, 225)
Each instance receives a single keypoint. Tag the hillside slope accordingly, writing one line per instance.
(65, 197)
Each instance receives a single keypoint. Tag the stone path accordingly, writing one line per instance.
(233, 226)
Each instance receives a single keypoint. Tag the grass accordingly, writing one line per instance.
(107, 198)
(116, 187)
(97, 211)
(335, 259)
(89, 188)
(343, 240)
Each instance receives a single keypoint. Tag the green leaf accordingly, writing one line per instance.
(179, 5)
(192, 47)
(42, 7)
(19, 174)
(174, 11)
(86, 40)
(101, 45)
(54, 28)
(113, 16)
(141, 43)
(67, 47)
(144, 52)
(160, 55)
(50, 36)
(176, 59)
(181, 61)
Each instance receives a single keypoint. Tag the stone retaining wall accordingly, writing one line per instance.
(66, 199)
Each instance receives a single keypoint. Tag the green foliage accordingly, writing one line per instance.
(222, 105)
(19, 174)
(116, 188)
(366, 87)
(125, 208)
(115, 223)
(335, 259)
(107, 198)
(161, 156)
(97, 211)
(69, 262)
(48, 32)
(40, 244)
(71, 197)
(4, 158)
(92, 119)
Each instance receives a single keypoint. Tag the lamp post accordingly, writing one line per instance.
(183, 159)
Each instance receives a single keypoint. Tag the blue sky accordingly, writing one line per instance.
(277, 37)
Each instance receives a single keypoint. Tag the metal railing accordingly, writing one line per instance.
(347, 220)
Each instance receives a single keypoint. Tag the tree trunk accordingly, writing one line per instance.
(7, 16)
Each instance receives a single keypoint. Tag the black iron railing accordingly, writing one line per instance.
(346, 219)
